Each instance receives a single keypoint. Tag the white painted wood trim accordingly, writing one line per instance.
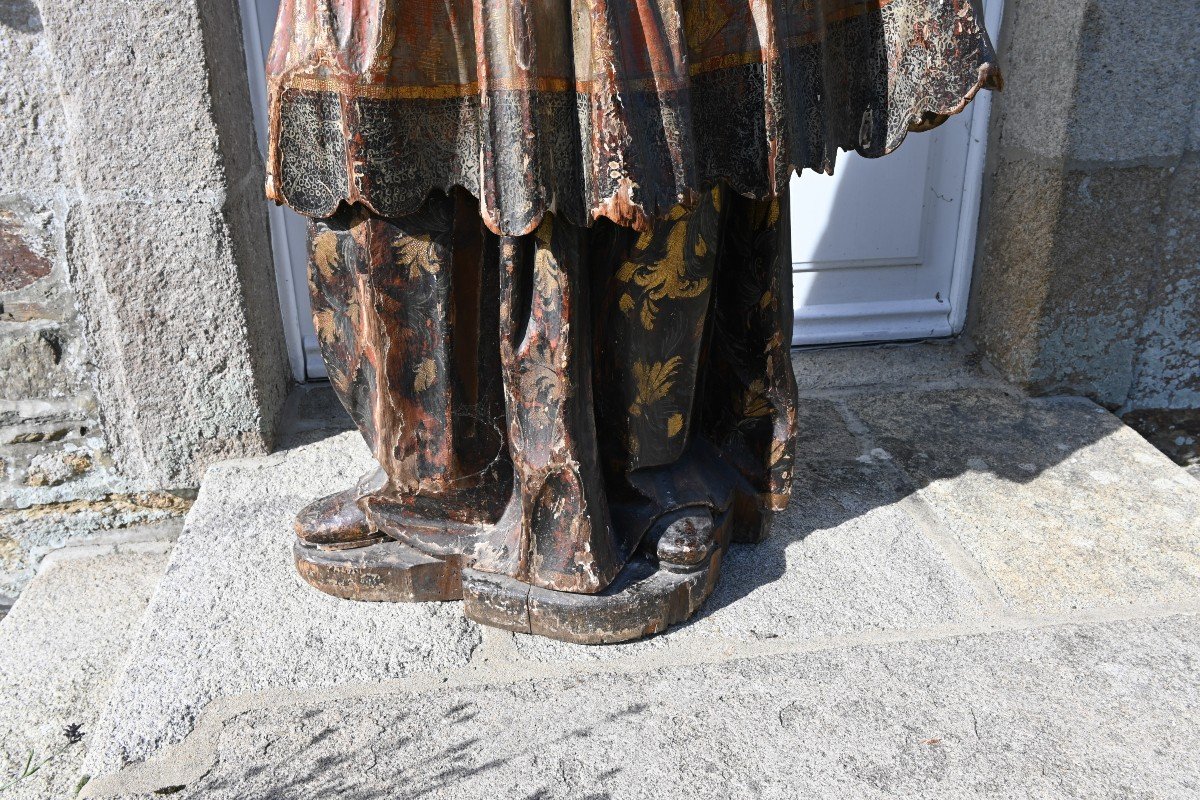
(972, 198)
(869, 322)
(256, 61)
(809, 266)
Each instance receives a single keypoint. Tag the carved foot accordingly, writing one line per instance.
(367, 549)
(645, 598)
(335, 523)
(684, 540)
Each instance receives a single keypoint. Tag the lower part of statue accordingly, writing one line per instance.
(571, 426)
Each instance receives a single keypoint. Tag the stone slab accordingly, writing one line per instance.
(233, 617)
(61, 648)
(847, 557)
(876, 367)
(1061, 505)
(901, 528)
(1084, 711)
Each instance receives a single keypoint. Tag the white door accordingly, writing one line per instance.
(880, 251)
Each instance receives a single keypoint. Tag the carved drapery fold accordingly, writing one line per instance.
(600, 108)
(614, 377)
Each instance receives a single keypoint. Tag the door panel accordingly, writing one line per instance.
(875, 248)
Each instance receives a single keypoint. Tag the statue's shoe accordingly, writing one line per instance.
(335, 523)
(686, 541)
(663, 585)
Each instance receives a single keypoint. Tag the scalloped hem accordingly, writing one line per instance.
(724, 127)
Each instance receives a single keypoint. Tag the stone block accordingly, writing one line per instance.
(1091, 84)
(1175, 433)
(183, 377)
(30, 533)
(820, 371)
(1061, 505)
(1039, 59)
(136, 96)
(1097, 711)
(1138, 75)
(23, 257)
(1085, 273)
(164, 232)
(1063, 284)
(42, 360)
(33, 281)
(61, 647)
(32, 126)
(1166, 371)
(232, 616)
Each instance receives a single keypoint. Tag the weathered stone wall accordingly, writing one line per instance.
(168, 243)
(1088, 271)
(49, 430)
(56, 471)
(139, 332)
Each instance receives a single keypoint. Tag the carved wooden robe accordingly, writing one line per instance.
(551, 280)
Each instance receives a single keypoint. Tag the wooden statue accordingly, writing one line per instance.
(551, 280)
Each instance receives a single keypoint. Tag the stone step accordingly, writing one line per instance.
(61, 648)
(946, 533)
(1098, 710)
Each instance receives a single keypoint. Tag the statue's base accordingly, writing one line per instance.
(646, 597)
(388, 572)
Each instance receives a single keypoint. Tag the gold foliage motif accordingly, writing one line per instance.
(426, 375)
(662, 275)
(547, 271)
(764, 216)
(654, 381)
(754, 401)
(325, 252)
(674, 424)
(417, 254)
(541, 391)
(547, 277)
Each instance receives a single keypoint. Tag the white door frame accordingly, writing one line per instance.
(285, 269)
(972, 197)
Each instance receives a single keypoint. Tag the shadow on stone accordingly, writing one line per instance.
(22, 16)
(425, 760)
